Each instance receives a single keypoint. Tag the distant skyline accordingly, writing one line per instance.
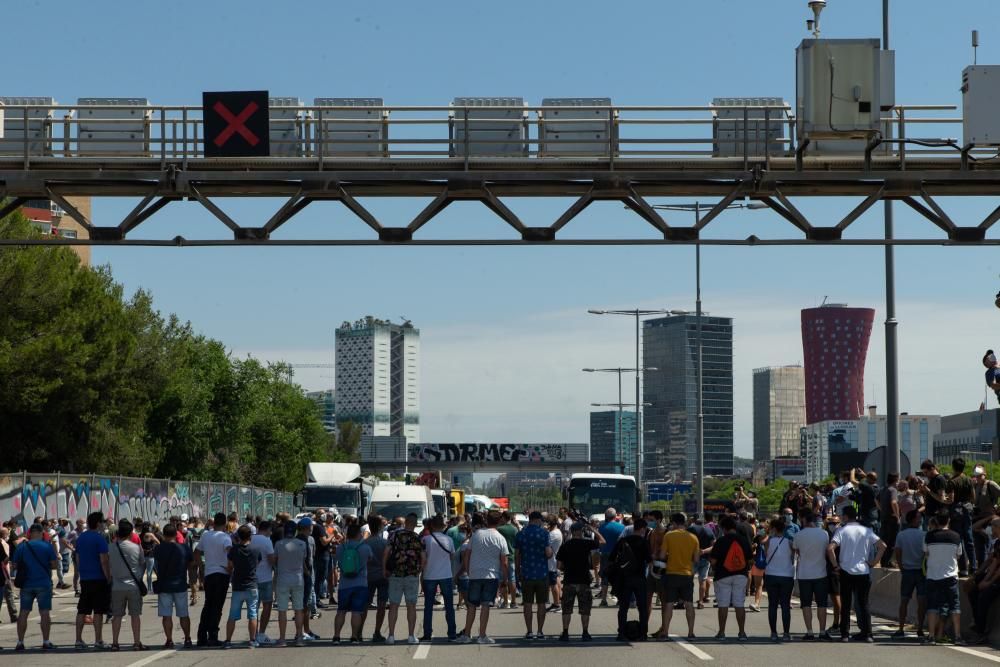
(504, 330)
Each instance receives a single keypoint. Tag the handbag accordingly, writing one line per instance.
(143, 591)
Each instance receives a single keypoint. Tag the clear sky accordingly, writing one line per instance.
(505, 330)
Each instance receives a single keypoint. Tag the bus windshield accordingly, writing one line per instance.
(595, 495)
(328, 496)
(391, 509)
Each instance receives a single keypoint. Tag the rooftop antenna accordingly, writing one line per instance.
(975, 45)
(824, 301)
(817, 7)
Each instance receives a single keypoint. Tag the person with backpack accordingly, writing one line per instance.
(574, 559)
(627, 573)
(352, 558)
(436, 564)
(730, 559)
(809, 546)
(680, 550)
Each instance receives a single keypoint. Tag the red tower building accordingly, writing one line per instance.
(835, 345)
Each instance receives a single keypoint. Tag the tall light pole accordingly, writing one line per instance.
(638, 314)
(619, 371)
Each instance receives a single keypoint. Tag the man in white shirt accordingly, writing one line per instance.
(262, 545)
(854, 568)
(841, 496)
(486, 563)
(215, 545)
(810, 545)
(942, 549)
(436, 566)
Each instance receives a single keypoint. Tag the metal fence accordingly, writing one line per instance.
(26, 495)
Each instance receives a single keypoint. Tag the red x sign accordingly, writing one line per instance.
(236, 124)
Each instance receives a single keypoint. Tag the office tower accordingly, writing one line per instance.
(835, 344)
(779, 411)
(670, 346)
(612, 442)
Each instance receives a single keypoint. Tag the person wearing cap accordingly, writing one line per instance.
(573, 558)
(987, 495)
(37, 557)
(992, 373)
(289, 561)
(215, 545)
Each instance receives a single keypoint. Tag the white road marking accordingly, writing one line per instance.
(978, 654)
(421, 652)
(153, 658)
(693, 650)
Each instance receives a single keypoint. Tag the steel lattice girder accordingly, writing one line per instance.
(631, 186)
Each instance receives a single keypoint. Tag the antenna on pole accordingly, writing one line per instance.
(975, 45)
(817, 7)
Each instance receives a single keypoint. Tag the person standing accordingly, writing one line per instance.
(810, 546)
(731, 557)
(403, 557)
(706, 540)
(555, 543)
(95, 580)
(352, 557)
(779, 579)
(853, 565)
(531, 563)
(127, 566)
(309, 601)
(36, 558)
(681, 551)
(909, 550)
(962, 504)
(509, 528)
(242, 568)
(627, 571)
(173, 562)
(888, 501)
(985, 587)
(322, 563)
(378, 585)
(486, 562)
(611, 530)
(214, 545)
(289, 582)
(987, 495)
(263, 547)
(942, 550)
(436, 564)
(574, 559)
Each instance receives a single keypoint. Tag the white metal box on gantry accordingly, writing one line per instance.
(286, 118)
(842, 87)
(39, 126)
(981, 105)
(497, 126)
(763, 129)
(358, 131)
(1, 120)
(575, 132)
(118, 131)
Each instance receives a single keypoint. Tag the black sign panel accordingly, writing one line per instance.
(236, 124)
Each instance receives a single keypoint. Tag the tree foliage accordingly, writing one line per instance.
(94, 381)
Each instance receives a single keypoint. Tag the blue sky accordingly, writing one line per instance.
(504, 329)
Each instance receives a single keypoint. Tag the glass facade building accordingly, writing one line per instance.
(612, 443)
(670, 346)
(779, 412)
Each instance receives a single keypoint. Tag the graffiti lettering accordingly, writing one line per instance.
(486, 452)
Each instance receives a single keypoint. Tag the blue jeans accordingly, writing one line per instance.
(150, 564)
(321, 572)
(447, 587)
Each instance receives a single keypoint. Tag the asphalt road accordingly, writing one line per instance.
(507, 628)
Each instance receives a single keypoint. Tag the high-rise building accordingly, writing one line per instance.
(377, 377)
(835, 345)
(327, 406)
(612, 439)
(670, 346)
(779, 411)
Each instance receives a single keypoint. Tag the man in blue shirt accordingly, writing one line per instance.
(95, 579)
(610, 530)
(531, 557)
(37, 558)
(992, 373)
(353, 588)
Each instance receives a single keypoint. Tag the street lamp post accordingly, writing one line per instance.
(619, 372)
(891, 351)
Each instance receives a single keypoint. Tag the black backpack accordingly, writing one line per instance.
(632, 631)
(626, 562)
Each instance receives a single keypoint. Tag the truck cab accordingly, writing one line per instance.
(393, 501)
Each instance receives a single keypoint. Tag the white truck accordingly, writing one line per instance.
(334, 486)
(392, 501)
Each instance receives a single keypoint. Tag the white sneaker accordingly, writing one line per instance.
(463, 639)
(390, 640)
(484, 639)
(263, 639)
(502, 605)
(412, 640)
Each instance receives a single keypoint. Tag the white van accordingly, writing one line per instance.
(393, 501)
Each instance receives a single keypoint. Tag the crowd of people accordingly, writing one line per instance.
(940, 531)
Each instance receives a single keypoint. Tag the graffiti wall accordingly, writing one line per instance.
(26, 496)
(494, 452)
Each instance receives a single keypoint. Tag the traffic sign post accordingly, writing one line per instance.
(236, 123)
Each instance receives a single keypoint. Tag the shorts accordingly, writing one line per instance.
(248, 597)
(818, 589)
(756, 572)
(604, 569)
(168, 603)
(265, 592)
(353, 599)
(482, 592)
(126, 601)
(463, 586)
(943, 597)
(553, 578)
(731, 591)
(701, 569)
(95, 597)
(834, 583)
(678, 587)
(289, 596)
(42, 594)
(582, 594)
(401, 588)
(912, 581)
(535, 591)
(378, 591)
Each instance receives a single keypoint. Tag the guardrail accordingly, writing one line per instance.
(321, 135)
(26, 495)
